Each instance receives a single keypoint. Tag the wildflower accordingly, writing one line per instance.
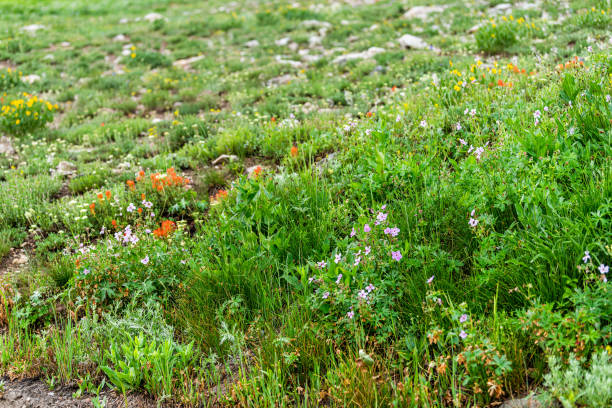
(167, 227)
(294, 151)
(368, 132)
(396, 255)
(590, 49)
(145, 260)
(366, 228)
(338, 258)
(463, 318)
(392, 231)
(257, 172)
(147, 204)
(131, 184)
(608, 98)
(463, 142)
(338, 279)
(546, 109)
(423, 124)
(370, 288)
(603, 269)
(473, 112)
(587, 257)
(362, 294)
(458, 126)
(473, 222)
(463, 334)
(350, 314)
(86, 271)
(431, 278)
(380, 218)
(108, 194)
(130, 208)
(357, 261)
(114, 224)
(322, 264)
(183, 262)
(353, 232)
(92, 208)
(103, 230)
(478, 152)
(325, 295)
(398, 118)
(367, 250)
(312, 279)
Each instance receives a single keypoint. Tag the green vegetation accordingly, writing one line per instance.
(260, 204)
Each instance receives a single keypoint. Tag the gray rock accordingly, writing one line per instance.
(527, 402)
(411, 41)
(224, 158)
(6, 146)
(369, 53)
(423, 12)
(65, 168)
(151, 17)
(252, 44)
(30, 79)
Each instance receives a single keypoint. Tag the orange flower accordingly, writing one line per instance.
(108, 194)
(100, 196)
(114, 223)
(92, 208)
(139, 210)
(220, 194)
(294, 151)
(131, 184)
(393, 88)
(273, 119)
(142, 196)
(369, 114)
(167, 227)
(257, 172)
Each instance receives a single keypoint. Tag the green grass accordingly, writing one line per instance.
(405, 229)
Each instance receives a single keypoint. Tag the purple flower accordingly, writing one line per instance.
(350, 314)
(131, 208)
(463, 334)
(145, 260)
(396, 255)
(370, 288)
(473, 222)
(587, 257)
(423, 123)
(86, 271)
(431, 278)
(463, 318)
(392, 231)
(367, 250)
(366, 228)
(603, 269)
(362, 294)
(312, 278)
(380, 218)
(147, 204)
(357, 261)
(463, 142)
(338, 279)
(322, 264)
(458, 127)
(353, 232)
(325, 295)
(338, 257)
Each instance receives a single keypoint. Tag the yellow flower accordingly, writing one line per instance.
(17, 121)
(133, 55)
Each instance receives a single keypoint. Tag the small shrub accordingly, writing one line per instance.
(9, 78)
(26, 114)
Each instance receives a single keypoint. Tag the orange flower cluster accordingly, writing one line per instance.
(167, 227)
(573, 63)
(92, 206)
(502, 83)
(294, 151)
(517, 70)
(220, 195)
(160, 181)
(257, 172)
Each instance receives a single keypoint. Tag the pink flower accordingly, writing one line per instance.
(350, 314)
(367, 250)
(587, 257)
(396, 255)
(431, 279)
(322, 264)
(338, 279)
(366, 228)
(603, 269)
(463, 318)
(338, 258)
(325, 295)
(145, 260)
(473, 222)
(362, 294)
(357, 261)
(353, 232)
(463, 334)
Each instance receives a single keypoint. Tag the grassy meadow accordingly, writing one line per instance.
(338, 203)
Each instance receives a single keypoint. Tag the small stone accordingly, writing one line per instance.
(422, 12)
(151, 17)
(30, 79)
(120, 38)
(224, 158)
(527, 402)
(32, 28)
(65, 168)
(282, 42)
(6, 146)
(369, 53)
(316, 23)
(252, 44)
(411, 41)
